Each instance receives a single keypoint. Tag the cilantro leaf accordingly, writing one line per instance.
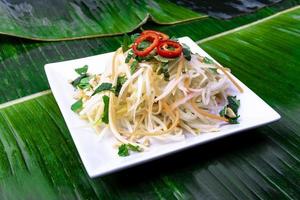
(165, 71)
(84, 83)
(103, 87)
(105, 116)
(134, 148)
(213, 70)
(186, 52)
(230, 111)
(77, 81)
(143, 45)
(208, 61)
(123, 150)
(233, 103)
(129, 56)
(133, 37)
(77, 106)
(120, 81)
(126, 43)
(161, 59)
(82, 70)
(133, 66)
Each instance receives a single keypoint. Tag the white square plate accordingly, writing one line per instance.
(98, 156)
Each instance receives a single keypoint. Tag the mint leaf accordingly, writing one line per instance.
(77, 106)
(103, 87)
(105, 115)
(82, 70)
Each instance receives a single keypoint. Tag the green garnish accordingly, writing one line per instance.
(143, 45)
(133, 66)
(230, 111)
(165, 71)
(103, 87)
(161, 59)
(126, 43)
(208, 61)
(77, 106)
(125, 148)
(105, 116)
(82, 70)
(129, 56)
(84, 83)
(213, 70)
(186, 52)
(233, 103)
(128, 40)
(120, 81)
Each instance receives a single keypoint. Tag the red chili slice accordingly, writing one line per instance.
(161, 35)
(169, 49)
(151, 37)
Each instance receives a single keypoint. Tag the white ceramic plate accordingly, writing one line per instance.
(98, 154)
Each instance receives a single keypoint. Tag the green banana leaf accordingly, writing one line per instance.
(22, 61)
(64, 20)
(39, 159)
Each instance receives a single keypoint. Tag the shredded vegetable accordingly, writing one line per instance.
(144, 106)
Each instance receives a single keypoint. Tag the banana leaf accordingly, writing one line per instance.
(63, 19)
(22, 61)
(39, 159)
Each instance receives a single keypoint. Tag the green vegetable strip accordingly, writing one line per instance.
(105, 115)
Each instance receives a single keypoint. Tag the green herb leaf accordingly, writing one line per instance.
(105, 115)
(233, 106)
(77, 81)
(133, 66)
(143, 45)
(208, 60)
(186, 52)
(161, 59)
(165, 71)
(133, 37)
(103, 87)
(126, 43)
(134, 148)
(129, 56)
(123, 150)
(174, 39)
(82, 70)
(223, 111)
(120, 81)
(213, 70)
(84, 83)
(233, 103)
(77, 106)
(234, 120)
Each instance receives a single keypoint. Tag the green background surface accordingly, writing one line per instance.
(39, 159)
